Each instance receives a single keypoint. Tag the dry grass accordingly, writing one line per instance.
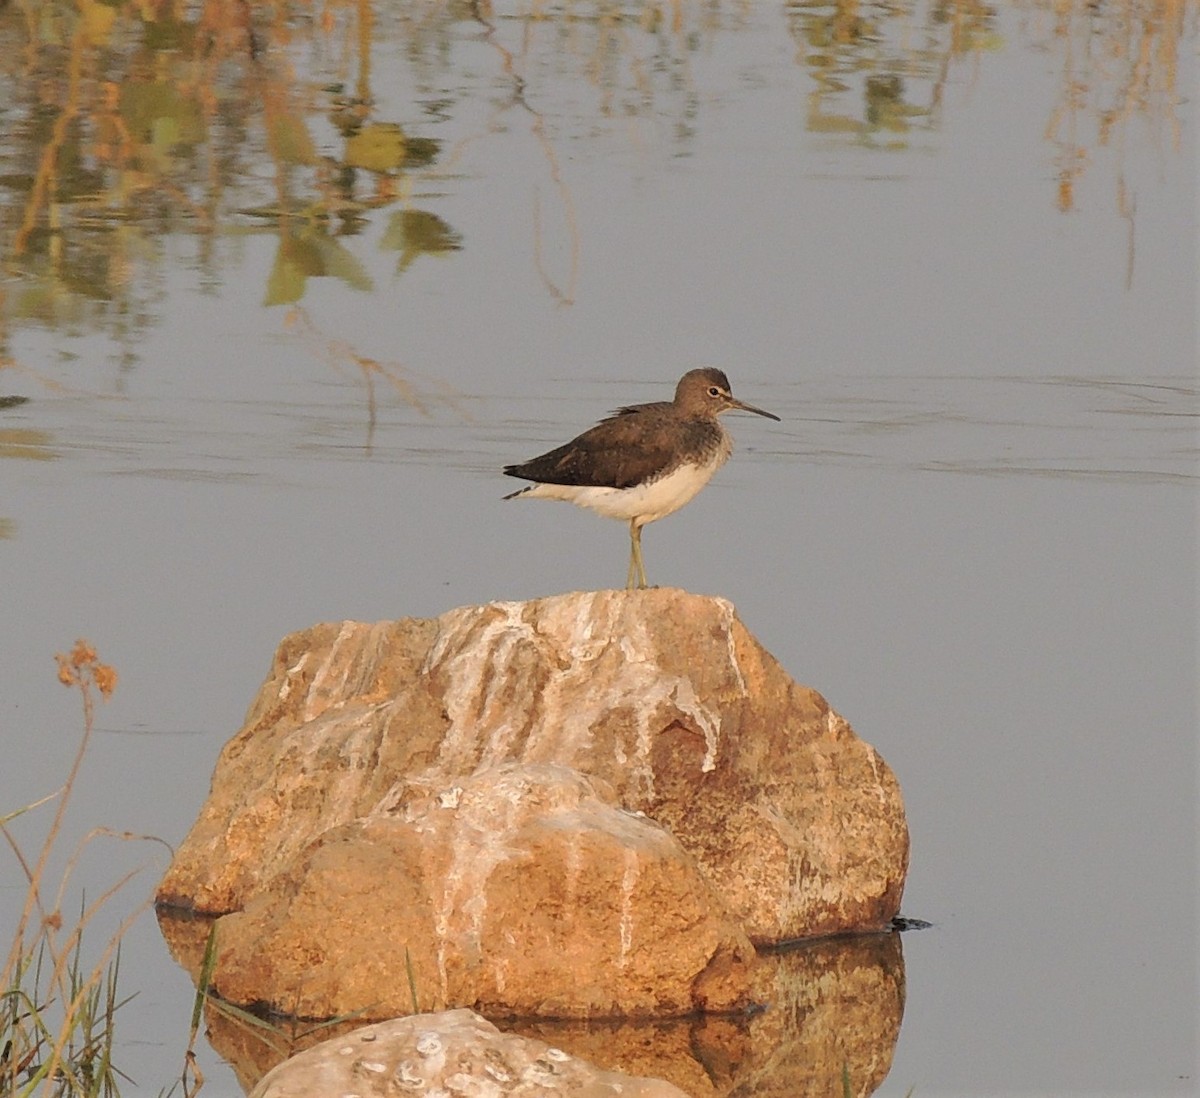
(58, 1004)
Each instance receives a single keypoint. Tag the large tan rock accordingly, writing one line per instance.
(456, 1053)
(518, 890)
(796, 823)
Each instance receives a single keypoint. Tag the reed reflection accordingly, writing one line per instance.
(130, 125)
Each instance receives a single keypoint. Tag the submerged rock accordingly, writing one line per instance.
(455, 1053)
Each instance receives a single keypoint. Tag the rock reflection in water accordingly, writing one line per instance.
(831, 1005)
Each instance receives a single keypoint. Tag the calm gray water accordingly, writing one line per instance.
(955, 252)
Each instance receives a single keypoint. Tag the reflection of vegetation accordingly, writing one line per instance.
(416, 391)
(879, 69)
(160, 121)
(1117, 62)
(127, 123)
(311, 252)
(378, 148)
(26, 443)
(418, 232)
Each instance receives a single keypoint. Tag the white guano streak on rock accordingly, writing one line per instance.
(873, 755)
(574, 700)
(479, 842)
(469, 660)
(791, 903)
(823, 889)
(684, 697)
(643, 691)
(584, 633)
(837, 727)
(628, 884)
(647, 692)
(478, 661)
(500, 966)
(292, 674)
(318, 688)
(728, 614)
(494, 721)
(453, 624)
(574, 865)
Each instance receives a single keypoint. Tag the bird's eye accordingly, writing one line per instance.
(713, 391)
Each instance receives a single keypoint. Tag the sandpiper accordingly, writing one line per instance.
(644, 461)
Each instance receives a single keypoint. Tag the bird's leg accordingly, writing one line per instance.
(637, 569)
(631, 575)
(643, 583)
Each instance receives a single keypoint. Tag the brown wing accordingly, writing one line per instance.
(629, 447)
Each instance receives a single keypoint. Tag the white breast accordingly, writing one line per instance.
(645, 502)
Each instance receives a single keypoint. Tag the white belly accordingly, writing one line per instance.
(646, 502)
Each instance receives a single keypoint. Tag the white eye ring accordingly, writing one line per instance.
(713, 391)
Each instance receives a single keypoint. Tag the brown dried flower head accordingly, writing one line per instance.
(82, 666)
